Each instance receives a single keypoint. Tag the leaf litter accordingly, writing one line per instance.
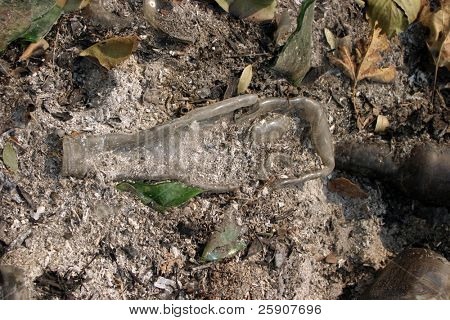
(113, 51)
(393, 16)
(363, 62)
(245, 79)
(438, 41)
(31, 20)
(10, 157)
(346, 188)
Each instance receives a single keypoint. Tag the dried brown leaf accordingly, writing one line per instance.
(245, 79)
(382, 124)
(346, 188)
(364, 64)
(439, 39)
(32, 48)
(112, 51)
(368, 69)
(368, 57)
(383, 75)
(344, 60)
(330, 37)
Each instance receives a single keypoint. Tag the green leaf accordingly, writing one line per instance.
(294, 61)
(224, 242)
(112, 51)
(10, 158)
(15, 18)
(31, 19)
(40, 7)
(161, 195)
(410, 7)
(393, 16)
(42, 25)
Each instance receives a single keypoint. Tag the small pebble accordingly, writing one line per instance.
(36, 215)
(204, 93)
(60, 133)
(16, 198)
(265, 191)
(331, 259)
(279, 259)
(165, 284)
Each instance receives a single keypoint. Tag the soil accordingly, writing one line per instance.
(90, 241)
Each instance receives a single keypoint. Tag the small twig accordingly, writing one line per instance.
(5, 71)
(356, 109)
(54, 49)
(245, 55)
(441, 99)
(435, 76)
(201, 267)
(19, 240)
(231, 88)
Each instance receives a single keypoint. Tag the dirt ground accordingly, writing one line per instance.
(94, 242)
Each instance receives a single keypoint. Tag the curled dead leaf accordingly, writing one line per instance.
(343, 57)
(382, 124)
(439, 38)
(256, 10)
(245, 79)
(32, 48)
(368, 69)
(112, 51)
(331, 39)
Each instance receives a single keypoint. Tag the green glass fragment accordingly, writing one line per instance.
(294, 61)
